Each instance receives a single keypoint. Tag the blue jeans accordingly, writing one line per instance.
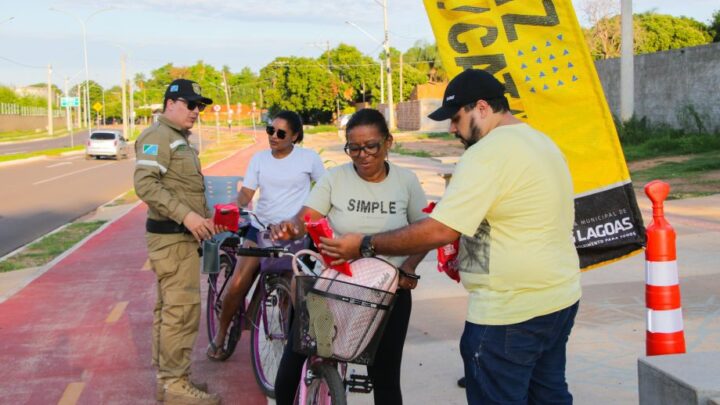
(522, 363)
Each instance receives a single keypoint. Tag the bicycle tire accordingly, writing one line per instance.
(268, 339)
(215, 295)
(327, 385)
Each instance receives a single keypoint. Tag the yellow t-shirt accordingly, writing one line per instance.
(511, 198)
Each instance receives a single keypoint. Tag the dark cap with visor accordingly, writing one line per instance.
(469, 86)
(187, 90)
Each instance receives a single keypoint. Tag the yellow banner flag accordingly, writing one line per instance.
(537, 49)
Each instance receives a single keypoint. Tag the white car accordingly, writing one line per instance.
(108, 143)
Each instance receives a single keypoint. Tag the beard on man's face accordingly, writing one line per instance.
(474, 137)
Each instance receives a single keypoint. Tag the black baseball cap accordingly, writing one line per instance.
(185, 89)
(469, 86)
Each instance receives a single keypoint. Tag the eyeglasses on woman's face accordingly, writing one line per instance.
(192, 105)
(353, 150)
(280, 133)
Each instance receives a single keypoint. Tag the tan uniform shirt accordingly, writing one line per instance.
(168, 178)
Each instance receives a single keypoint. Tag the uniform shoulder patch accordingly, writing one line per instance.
(150, 149)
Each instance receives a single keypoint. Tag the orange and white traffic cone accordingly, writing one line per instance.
(665, 333)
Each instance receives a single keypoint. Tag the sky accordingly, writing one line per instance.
(236, 33)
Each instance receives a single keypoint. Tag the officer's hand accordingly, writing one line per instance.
(200, 227)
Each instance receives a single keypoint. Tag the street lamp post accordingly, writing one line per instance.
(391, 107)
(386, 46)
(67, 112)
(85, 57)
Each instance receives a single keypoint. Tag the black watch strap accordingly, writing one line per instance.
(366, 247)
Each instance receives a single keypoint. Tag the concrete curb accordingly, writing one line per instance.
(72, 153)
(21, 161)
(42, 269)
(36, 272)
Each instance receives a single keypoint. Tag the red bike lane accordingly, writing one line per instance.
(80, 333)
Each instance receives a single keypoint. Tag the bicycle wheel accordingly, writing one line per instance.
(217, 285)
(270, 331)
(326, 388)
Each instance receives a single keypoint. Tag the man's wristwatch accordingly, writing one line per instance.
(366, 247)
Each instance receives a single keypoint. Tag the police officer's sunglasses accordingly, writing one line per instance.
(280, 133)
(191, 105)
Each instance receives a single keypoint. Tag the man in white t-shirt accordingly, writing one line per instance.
(511, 203)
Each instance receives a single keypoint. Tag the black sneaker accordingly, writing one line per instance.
(461, 382)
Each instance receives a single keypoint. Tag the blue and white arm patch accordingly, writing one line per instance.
(150, 149)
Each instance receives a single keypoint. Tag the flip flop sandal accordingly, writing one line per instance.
(216, 353)
(322, 324)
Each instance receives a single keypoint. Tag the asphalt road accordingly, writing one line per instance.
(79, 138)
(42, 195)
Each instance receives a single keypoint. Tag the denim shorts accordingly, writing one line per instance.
(522, 363)
(252, 234)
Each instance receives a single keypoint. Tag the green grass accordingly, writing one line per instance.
(642, 139)
(437, 135)
(47, 152)
(669, 170)
(321, 128)
(668, 145)
(398, 148)
(19, 136)
(228, 147)
(49, 247)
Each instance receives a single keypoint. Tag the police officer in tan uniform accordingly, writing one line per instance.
(168, 178)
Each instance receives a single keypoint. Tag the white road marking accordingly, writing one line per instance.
(70, 174)
(58, 164)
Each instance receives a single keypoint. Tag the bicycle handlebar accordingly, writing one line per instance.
(263, 252)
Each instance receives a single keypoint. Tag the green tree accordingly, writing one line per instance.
(356, 75)
(664, 32)
(245, 86)
(714, 26)
(652, 33)
(425, 57)
(411, 76)
(302, 85)
(7, 95)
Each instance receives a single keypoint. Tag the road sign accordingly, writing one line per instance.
(69, 101)
(216, 108)
(97, 107)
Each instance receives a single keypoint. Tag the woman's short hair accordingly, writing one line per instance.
(368, 116)
(294, 122)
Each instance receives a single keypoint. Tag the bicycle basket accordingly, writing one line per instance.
(343, 317)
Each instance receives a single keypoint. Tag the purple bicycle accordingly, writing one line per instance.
(265, 311)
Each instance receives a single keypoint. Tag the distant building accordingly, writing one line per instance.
(34, 91)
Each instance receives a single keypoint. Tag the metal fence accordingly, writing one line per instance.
(14, 109)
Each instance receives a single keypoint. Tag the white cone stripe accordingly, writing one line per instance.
(669, 321)
(661, 274)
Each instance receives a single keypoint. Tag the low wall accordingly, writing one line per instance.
(668, 84)
(28, 123)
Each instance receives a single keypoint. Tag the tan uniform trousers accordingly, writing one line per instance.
(176, 317)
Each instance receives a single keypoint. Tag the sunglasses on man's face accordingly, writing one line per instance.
(192, 105)
(280, 133)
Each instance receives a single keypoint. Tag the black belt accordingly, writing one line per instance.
(164, 227)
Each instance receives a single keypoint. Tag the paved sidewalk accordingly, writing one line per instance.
(80, 332)
(57, 336)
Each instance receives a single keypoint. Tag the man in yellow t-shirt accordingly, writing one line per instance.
(511, 204)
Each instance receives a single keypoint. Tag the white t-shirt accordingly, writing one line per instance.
(284, 183)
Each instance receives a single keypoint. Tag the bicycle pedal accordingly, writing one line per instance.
(359, 383)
